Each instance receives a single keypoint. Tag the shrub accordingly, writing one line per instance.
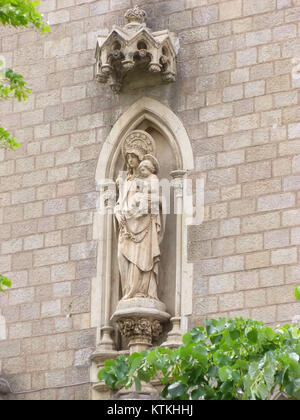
(236, 359)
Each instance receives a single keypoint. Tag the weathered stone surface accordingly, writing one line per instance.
(237, 96)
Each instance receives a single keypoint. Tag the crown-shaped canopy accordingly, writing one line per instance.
(135, 48)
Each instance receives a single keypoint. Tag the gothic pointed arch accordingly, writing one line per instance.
(146, 114)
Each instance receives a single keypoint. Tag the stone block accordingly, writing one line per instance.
(276, 239)
(284, 256)
(230, 227)
(51, 309)
(258, 223)
(254, 171)
(246, 280)
(232, 301)
(257, 260)
(255, 298)
(233, 263)
(253, 7)
(265, 314)
(30, 311)
(221, 284)
(222, 247)
(54, 207)
(247, 57)
(273, 276)
(20, 330)
(61, 360)
(205, 15)
(242, 207)
(55, 255)
(255, 89)
(230, 10)
(205, 306)
(249, 243)
(276, 202)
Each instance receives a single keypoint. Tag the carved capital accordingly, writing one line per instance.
(139, 328)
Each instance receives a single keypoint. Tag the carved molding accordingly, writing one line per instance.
(135, 47)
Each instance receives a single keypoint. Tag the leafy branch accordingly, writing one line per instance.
(12, 85)
(238, 359)
(4, 283)
(22, 12)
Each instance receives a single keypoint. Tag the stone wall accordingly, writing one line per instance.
(239, 101)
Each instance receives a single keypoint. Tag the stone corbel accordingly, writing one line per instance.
(135, 48)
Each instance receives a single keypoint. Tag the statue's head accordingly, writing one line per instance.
(136, 145)
(148, 166)
(132, 161)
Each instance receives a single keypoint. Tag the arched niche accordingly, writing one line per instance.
(174, 152)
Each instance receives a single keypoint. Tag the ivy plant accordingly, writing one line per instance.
(236, 359)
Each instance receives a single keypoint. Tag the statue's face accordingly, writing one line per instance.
(133, 161)
(144, 171)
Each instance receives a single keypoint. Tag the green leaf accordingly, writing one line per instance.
(135, 361)
(213, 371)
(269, 377)
(198, 393)
(5, 283)
(6, 140)
(253, 336)
(235, 334)
(138, 385)
(225, 373)
(177, 389)
(262, 391)
(297, 293)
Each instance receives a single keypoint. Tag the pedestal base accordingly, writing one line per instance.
(174, 338)
(140, 320)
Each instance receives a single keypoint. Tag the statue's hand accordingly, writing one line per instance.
(120, 218)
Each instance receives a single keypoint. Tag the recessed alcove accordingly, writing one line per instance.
(167, 272)
(174, 153)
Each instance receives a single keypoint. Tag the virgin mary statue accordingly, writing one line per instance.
(138, 218)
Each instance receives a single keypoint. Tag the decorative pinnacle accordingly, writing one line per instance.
(136, 15)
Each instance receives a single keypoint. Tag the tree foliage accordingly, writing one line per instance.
(238, 359)
(22, 13)
(297, 293)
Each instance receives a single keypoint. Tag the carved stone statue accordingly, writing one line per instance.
(139, 223)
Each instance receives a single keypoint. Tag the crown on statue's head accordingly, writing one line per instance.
(136, 15)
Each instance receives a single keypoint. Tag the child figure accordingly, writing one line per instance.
(147, 197)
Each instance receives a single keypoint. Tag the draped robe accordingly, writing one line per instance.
(139, 237)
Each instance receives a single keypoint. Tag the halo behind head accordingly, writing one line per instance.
(139, 143)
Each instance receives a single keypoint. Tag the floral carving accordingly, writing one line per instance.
(140, 327)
